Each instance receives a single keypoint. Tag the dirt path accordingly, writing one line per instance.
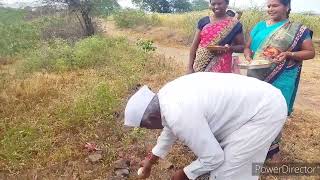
(180, 53)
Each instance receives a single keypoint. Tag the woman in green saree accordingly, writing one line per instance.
(286, 44)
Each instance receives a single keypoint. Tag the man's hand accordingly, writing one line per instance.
(146, 171)
(147, 165)
(179, 175)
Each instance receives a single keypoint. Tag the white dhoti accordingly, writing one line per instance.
(250, 144)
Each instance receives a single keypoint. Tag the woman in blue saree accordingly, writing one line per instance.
(286, 44)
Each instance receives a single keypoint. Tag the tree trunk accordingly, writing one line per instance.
(80, 22)
(88, 24)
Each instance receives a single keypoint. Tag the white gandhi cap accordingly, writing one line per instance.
(136, 106)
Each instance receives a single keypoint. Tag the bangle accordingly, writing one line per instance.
(149, 156)
(292, 54)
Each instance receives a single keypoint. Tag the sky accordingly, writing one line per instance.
(297, 5)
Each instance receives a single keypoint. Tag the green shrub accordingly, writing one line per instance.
(63, 26)
(146, 45)
(11, 16)
(186, 22)
(91, 52)
(16, 34)
(312, 22)
(58, 56)
(132, 18)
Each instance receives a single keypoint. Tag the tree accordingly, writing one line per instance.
(161, 6)
(86, 8)
(181, 5)
(199, 5)
(105, 7)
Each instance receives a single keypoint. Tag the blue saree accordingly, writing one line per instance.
(282, 36)
(269, 41)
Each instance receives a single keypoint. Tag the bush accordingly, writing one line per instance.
(64, 26)
(58, 56)
(186, 22)
(251, 18)
(146, 45)
(132, 18)
(11, 16)
(312, 22)
(17, 38)
(16, 35)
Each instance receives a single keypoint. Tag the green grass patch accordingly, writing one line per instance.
(20, 144)
(98, 102)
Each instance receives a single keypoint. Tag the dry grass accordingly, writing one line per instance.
(36, 131)
(301, 137)
(46, 118)
(185, 23)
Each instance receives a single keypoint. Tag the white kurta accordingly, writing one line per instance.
(228, 121)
